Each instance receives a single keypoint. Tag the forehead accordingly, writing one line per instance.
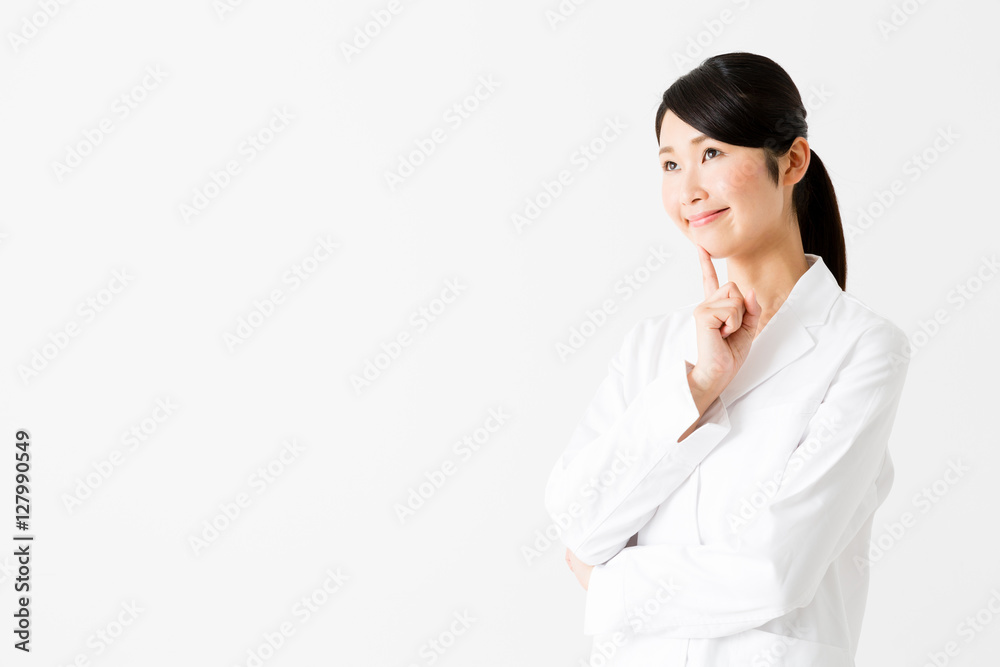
(676, 136)
(672, 128)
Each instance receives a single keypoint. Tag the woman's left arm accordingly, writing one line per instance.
(777, 561)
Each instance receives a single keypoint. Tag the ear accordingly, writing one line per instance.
(796, 161)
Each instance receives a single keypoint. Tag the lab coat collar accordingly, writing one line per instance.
(786, 335)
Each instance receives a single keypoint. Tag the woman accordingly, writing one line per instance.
(718, 494)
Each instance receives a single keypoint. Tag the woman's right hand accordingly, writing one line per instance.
(726, 324)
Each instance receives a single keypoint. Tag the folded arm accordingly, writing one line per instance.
(624, 458)
(775, 563)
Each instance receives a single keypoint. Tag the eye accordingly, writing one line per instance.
(665, 166)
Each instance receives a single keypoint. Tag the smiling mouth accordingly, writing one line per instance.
(704, 220)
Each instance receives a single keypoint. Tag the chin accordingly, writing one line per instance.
(716, 250)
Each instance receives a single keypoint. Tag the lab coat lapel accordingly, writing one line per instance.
(782, 341)
(786, 336)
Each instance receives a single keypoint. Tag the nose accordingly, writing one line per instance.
(691, 190)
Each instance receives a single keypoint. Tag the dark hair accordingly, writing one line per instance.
(746, 99)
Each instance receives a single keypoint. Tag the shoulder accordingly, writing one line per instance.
(849, 307)
(856, 320)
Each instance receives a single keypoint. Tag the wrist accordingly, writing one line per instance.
(703, 390)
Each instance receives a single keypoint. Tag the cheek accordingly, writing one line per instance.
(668, 196)
(671, 202)
(745, 176)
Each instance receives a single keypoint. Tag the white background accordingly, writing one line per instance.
(876, 100)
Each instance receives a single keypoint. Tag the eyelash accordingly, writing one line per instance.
(663, 166)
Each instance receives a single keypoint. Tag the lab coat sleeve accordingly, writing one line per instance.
(623, 459)
(774, 564)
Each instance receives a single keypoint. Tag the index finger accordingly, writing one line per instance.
(708, 277)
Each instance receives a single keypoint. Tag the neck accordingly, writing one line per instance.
(771, 274)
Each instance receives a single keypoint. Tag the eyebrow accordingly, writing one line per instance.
(697, 140)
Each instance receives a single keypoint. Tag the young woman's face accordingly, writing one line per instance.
(701, 175)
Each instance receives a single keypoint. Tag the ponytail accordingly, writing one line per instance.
(819, 218)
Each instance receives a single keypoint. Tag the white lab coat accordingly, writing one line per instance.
(753, 533)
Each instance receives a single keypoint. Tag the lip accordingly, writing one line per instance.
(705, 218)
